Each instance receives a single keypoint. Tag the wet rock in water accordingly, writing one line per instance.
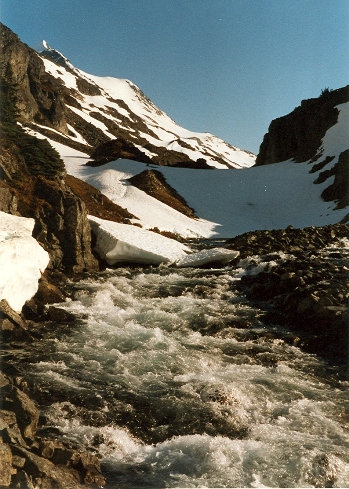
(6, 312)
(59, 315)
(6, 468)
(12, 325)
(27, 460)
(26, 413)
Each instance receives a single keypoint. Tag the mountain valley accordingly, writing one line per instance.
(173, 309)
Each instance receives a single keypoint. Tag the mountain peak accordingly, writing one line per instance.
(52, 54)
(45, 45)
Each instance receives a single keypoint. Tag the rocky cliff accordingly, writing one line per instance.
(62, 227)
(32, 174)
(298, 135)
(37, 96)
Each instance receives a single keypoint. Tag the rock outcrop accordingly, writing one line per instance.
(298, 135)
(61, 224)
(339, 189)
(37, 96)
(154, 183)
(28, 460)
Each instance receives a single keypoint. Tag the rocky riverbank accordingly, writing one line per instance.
(30, 461)
(308, 291)
(27, 459)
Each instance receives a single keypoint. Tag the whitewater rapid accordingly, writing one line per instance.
(174, 380)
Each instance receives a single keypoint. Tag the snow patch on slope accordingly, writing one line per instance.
(336, 139)
(22, 260)
(229, 202)
(112, 180)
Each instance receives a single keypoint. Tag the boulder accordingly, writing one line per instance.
(29, 461)
(27, 414)
(6, 468)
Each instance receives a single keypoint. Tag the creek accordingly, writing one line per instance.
(171, 376)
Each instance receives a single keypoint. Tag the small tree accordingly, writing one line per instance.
(325, 92)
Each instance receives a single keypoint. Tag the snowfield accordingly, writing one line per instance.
(229, 202)
(22, 260)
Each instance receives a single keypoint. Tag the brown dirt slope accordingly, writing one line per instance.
(153, 183)
(97, 204)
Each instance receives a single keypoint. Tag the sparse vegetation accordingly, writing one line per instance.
(325, 92)
(38, 154)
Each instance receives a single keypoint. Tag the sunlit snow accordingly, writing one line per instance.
(22, 260)
(125, 243)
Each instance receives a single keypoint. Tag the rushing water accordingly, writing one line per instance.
(172, 377)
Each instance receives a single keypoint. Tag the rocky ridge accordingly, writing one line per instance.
(298, 136)
(55, 99)
(154, 183)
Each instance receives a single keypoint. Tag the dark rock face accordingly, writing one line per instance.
(61, 224)
(38, 96)
(115, 149)
(62, 227)
(298, 135)
(30, 461)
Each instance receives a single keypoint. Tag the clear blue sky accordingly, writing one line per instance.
(224, 66)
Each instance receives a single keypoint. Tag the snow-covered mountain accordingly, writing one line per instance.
(229, 203)
(298, 180)
(101, 109)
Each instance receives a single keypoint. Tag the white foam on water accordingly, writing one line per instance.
(145, 338)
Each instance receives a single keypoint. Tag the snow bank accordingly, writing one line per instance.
(126, 243)
(22, 260)
(213, 255)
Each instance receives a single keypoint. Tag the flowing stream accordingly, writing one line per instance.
(174, 380)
